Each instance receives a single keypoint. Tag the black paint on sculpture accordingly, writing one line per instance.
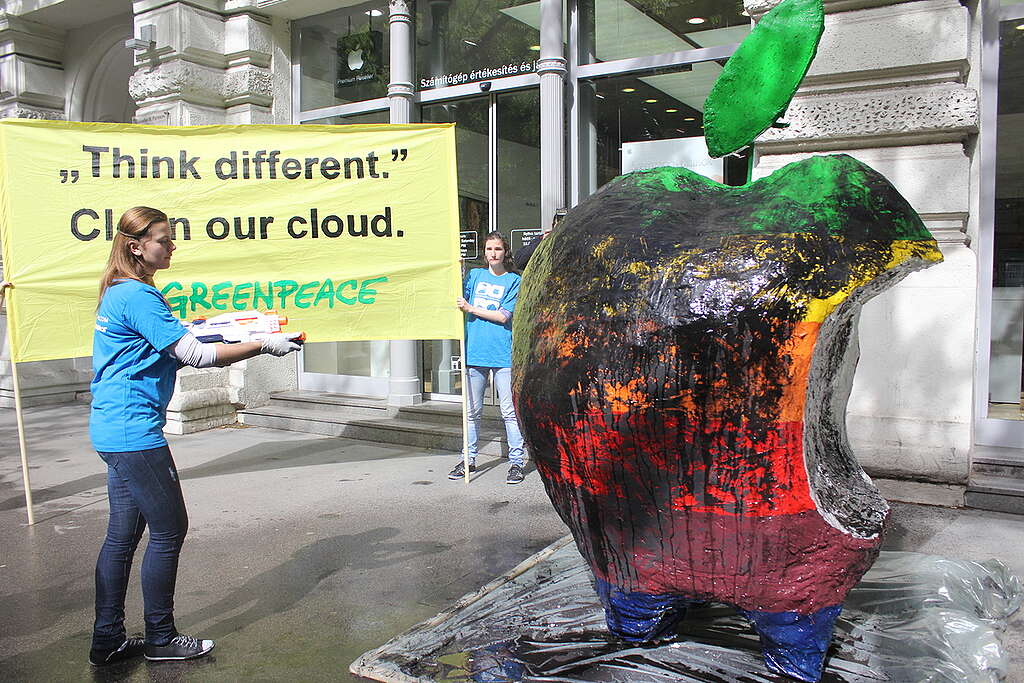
(683, 353)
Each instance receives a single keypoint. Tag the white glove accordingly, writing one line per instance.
(280, 343)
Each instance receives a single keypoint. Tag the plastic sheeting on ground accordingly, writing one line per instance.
(913, 617)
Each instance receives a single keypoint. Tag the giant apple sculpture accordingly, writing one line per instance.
(683, 353)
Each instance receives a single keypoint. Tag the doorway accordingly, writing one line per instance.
(999, 406)
(497, 140)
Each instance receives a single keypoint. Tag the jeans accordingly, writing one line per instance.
(143, 489)
(503, 385)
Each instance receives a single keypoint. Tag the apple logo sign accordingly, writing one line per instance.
(355, 60)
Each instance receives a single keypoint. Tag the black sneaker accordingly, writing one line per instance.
(131, 647)
(515, 475)
(181, 647)
(459, 471)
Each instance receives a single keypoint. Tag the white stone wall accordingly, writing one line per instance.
(33, 85)
(211, 62)
(31, 69)
(892, 86)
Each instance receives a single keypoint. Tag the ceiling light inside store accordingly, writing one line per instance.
(469, 42)
(696, 20)
(651, 101)
(689, 118)
(535, 48)
(671, 111)
(629, 90)
(375, 12)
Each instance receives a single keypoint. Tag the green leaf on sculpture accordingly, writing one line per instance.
(760, 79)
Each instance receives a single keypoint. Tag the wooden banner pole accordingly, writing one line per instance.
(465, 413)
(18, 414)
(465, 381)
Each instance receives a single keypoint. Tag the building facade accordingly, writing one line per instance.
(553, 98)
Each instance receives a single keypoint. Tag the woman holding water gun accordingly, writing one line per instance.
(138, 347)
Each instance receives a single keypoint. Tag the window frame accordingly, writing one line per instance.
(579, 74)
(990, 431)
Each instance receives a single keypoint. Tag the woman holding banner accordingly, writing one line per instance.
(493, 291)
(138, 347)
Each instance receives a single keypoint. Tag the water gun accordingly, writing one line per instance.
(239, 326)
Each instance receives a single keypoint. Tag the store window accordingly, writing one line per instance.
(621, 29)
(354, 367)
(1006, 374)
(467, 41)
(343, 55)
(497, 143)
(636, 122)
(380, 116)
(518, 165)
(472, 153)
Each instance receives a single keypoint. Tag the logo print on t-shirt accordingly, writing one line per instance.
(488, 295)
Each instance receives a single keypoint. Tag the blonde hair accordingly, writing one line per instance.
(122, 263)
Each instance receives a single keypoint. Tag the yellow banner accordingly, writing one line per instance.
(349, 231)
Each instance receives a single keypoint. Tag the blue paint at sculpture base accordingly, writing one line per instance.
(495, 663)
(641, 617)
(795, 644)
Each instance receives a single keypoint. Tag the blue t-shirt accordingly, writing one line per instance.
(489, 344)
(134, 378)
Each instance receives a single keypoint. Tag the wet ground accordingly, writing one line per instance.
(304, 551)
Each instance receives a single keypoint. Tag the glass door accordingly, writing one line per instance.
(1000, 408)
(497, 139)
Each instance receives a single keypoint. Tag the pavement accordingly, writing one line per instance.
(303, 551)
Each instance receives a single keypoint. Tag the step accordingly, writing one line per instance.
(1002, 494)
(331, 403)
(442, 412)
(383, 429)
(990, 461)
(995, 494)
(996, 467)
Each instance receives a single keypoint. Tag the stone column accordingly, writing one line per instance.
(552, 70)
(32, 83)
(400, 89)
(404, 386)
(206, 65)
(890, 86)
(31, 69)
(212, 62)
